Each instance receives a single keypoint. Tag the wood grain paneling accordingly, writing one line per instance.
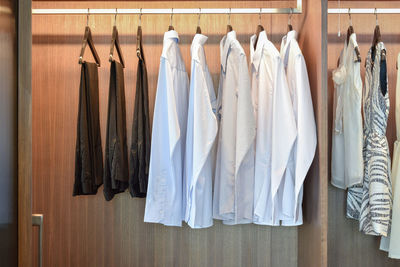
(87, 230)
(24, 134)
(347, 246)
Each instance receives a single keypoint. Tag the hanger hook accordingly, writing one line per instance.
(350, 17)
(229, 16)
(259, 17)
(170, 18)
(140, 17)
(87, 17)
(198, 19)
(376, 16)
(115, 17)
(290, 16)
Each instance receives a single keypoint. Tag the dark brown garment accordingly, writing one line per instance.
(88, 155)
(116, 172)
(140, 146)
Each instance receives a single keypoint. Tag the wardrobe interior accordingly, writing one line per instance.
(346, 245)
(87, 230)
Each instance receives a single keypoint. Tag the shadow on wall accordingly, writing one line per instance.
(154, 39)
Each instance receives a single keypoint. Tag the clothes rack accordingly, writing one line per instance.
(363, 10)
(123, 11)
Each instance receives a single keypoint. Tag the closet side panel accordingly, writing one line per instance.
(347, 246)
(312, 235)
(8, 134)
(87, 230)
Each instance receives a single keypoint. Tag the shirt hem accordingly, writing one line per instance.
(345, 187)
(166, 224)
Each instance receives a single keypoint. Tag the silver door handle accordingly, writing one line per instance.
(37, 220)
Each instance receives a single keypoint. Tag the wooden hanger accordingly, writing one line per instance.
(229, 26)
(259, 29)
(350, 31)
(115, 43)
(170, 27)
(139, 37)
(87, 39)
(198, 29)
(377, 38)
(289, 25)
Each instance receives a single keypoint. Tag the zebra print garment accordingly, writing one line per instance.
(371, 202)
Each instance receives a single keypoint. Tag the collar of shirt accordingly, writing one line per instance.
(225, 44)
(256, 53)
(198, 40)
(292, 35)
(286, 40)
(169, 38)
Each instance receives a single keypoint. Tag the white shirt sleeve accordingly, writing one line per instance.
(165, 136)
(306, 128)
(283, 129)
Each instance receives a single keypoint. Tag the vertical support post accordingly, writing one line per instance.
(24, 133)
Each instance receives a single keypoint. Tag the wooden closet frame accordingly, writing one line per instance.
(312, 241)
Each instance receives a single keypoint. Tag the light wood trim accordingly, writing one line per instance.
(24, 134)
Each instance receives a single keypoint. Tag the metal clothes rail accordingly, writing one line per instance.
(363, 11)
(150, 11)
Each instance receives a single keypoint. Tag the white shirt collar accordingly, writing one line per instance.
(169, 38)
(286, 40)
(225, 46)
(256, 53)
(291, 35)
(198, 40)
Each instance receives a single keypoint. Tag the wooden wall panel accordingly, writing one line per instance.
(347, 246)
(88, 231)
(313, 235)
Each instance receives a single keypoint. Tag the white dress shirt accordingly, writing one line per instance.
(234, 176)
(305, 144)
(347, 136)
(164, 194)
(276, 127)
(202, 128)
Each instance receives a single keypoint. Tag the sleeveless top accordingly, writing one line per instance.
(371, 203)
(347, 135)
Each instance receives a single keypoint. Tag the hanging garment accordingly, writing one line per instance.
(234, 176)
(276, 128)
(391, 244)
(164, 202)
(116, 169)
(88, 154)
(202, 128)
(303, 151)
(347, 137)
(140, 146)
(371, 203)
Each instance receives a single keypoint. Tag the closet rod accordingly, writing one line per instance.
(364, 10)
(146, 11)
